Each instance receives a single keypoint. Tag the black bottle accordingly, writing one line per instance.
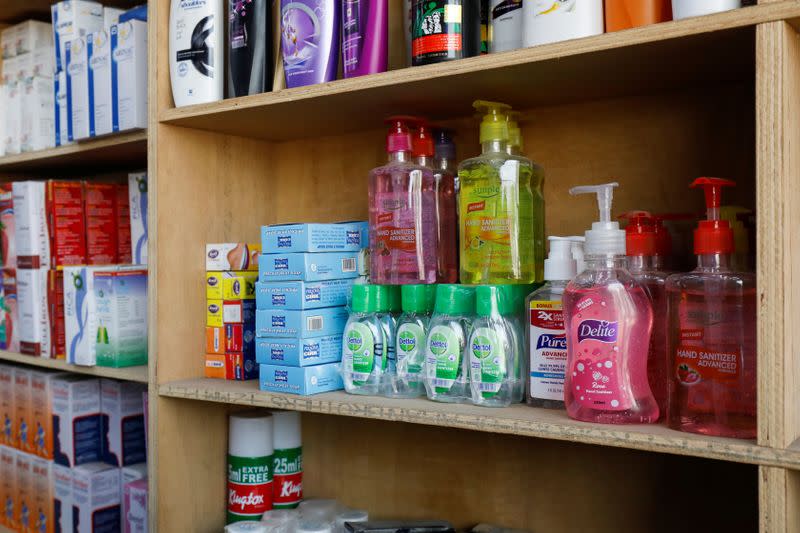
(444, 30)
(249, 47)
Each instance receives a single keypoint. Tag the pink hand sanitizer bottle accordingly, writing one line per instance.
(712, 334)
(403, 235)
(608, 318)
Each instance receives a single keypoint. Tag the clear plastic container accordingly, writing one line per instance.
(412, 330)
(446, 369)
(493, 350)
(364, 342)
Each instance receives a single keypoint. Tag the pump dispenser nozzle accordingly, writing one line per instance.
(399, 137)
(422, 140)
(444, 145)
(577, 243)
(640, 233)
(560, 264)
(713, 236)
(494, 126)
(605, 237)
(514, 131)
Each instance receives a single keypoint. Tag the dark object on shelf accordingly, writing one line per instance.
(249, 47)
(411, 526)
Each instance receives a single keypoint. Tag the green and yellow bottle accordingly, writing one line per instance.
(496, 206)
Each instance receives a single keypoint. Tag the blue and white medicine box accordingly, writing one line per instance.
(338, 237)
(300, 324)
(308, 266)
(299, 352)
(301, 380)
(303, 294)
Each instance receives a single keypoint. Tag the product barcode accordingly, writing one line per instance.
(314, 323)
(489, 387)
(438, 382)
(349, 264)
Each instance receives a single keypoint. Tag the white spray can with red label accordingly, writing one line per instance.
(250, 466)
(288, 441)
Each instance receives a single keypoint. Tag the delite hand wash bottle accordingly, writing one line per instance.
(496, 207)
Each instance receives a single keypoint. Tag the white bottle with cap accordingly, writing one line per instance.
(546, 338)
(682, 9)
(608, 320)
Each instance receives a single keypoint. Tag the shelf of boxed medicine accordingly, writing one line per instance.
(121, 150)
(516, 420)
(133, 373)
(696, 50)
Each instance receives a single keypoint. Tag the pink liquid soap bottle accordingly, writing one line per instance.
(403, 235)
(712, 333)
(608, 319)
(641, 241)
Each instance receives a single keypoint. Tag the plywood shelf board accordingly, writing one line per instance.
(700, 51)
(115, 151)
(134, 373)
(516, 420)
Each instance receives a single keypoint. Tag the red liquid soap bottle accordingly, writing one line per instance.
(446, 218)
(403, 234)
(712, 333)
(642, 249)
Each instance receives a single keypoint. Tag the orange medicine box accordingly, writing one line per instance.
(42, 412)
(42, 495)
(22, 408)
(8, 415)
(215, 340)
(215, 366)
(24, 488)
(8, 482)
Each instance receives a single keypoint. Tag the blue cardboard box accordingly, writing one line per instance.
(337, 237)
(299, 352)
(301, 380)
(303, 294)
(300, 324)
(309, 266)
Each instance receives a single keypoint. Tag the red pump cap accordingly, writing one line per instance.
(713, 236)
(423, 140)
(399, 137)
(640, 236)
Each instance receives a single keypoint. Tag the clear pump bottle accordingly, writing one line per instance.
(446, 370)
(712, 334)
(364, 341)
(608, 318)
(546, 338)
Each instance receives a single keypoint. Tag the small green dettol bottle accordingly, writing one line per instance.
(446, 371)
(493, 350)
(364, 341)
(412, 330)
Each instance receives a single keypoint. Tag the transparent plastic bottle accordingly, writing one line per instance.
(640, 238)
(491, 350)
(712, 334)
(446, 371)
(545, 333)
(364, 341)
(496, 208)
(403, 234)
(608, 319)
(412, 330)
(388, 312)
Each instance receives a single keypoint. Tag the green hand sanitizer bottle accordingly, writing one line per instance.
(412, 330)
(364, 341)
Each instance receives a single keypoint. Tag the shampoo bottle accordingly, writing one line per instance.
(403, 234)
(550, 21)
(365, 37)
(496, 208)
(196, 51)
(682, 9)
(249, 47)
(310, 41)
(640, 242)
(446, 218)
(546, 336)
(412, 330)
(624, 14)
(492, 350)
(444, 30)
(505, 25)
(364, 341)
(446, 370)
(608, 318)
(712, 334)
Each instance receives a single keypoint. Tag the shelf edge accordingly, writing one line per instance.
(138, 374)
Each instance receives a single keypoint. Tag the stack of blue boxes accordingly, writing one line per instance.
(304, 277)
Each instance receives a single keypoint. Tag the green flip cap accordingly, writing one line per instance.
(418, 298)
(367, 298)
(455, 300)
(395, 300)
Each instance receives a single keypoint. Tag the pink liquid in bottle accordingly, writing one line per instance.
(403, 233)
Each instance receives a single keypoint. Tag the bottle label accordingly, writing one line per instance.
(288, 478)
(436, 31)
(360, 351)
(487, 362)
(355, 12)
(410, 340)
(237, 30)
(249, 487)
(595, 372)
(398, 228)
(549, 7)
(548, 350)
(444, 358)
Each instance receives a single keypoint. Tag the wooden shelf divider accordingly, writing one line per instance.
(133, 373)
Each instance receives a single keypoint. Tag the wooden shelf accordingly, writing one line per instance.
(703, 50)
(517, 420)
(133, 373)
(122, 150)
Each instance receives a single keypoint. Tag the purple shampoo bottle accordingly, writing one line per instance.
(310, 40)
(365, 37)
